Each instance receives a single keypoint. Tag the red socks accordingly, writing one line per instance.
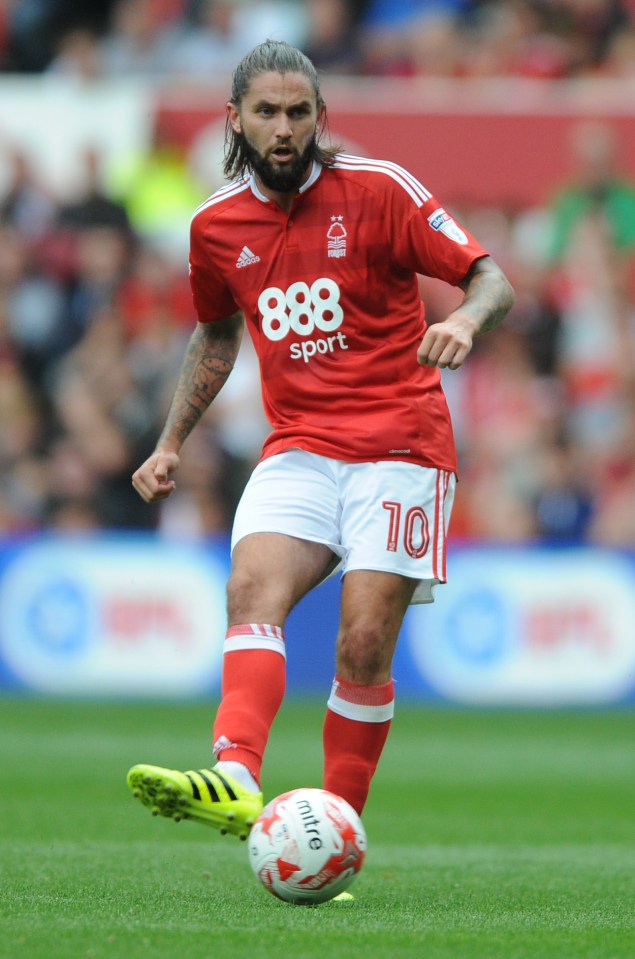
(254, 674)
(355, 731)
(254, 677)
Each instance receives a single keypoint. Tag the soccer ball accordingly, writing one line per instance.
(307, 846)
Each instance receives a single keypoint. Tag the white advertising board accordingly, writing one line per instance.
(113, 618)
(529, 627)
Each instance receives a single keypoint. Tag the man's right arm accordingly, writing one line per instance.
(208, 361)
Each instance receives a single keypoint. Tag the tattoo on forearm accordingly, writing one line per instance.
(490, 297)
(208, 361)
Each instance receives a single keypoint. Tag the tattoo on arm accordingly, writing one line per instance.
(488, 294)
(208, 361)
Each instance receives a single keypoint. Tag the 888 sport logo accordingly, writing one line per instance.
(301, 310)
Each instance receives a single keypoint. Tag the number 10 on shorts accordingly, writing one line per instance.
(415, 529)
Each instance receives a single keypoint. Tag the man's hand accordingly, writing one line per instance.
(152, 480)
(488, 298)
(447, 344)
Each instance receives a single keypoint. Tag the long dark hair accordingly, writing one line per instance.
(272, 56)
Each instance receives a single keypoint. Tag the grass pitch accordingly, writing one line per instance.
(492, 835)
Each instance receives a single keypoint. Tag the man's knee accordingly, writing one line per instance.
(364, 655)
(249, 596)
(257, 595)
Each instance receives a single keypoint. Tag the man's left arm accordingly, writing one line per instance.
(488, 298)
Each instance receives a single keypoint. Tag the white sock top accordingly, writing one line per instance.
(240, 773)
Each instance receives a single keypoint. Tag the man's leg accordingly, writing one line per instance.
(270, 574)
(361, 703)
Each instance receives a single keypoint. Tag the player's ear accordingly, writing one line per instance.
(234, 117)
(320, 122)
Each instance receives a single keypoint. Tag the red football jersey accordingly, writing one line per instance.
(330, 294)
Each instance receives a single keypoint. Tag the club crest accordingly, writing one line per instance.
(336, 237)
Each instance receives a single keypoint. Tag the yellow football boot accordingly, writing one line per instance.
(202, 795)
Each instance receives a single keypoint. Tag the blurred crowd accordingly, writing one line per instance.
(95, 310)
(545, 407)
(198, 38)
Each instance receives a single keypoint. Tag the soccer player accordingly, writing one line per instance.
(319, 252)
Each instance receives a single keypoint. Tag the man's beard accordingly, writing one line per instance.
(285, 179)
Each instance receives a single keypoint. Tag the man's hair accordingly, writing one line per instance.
(272, 56)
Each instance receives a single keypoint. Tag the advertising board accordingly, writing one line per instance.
(141, 616)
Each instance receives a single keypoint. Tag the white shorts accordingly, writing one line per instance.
(387, 516)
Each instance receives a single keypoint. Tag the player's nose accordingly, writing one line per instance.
(283, 127)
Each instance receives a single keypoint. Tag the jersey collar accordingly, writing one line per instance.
(316, 170)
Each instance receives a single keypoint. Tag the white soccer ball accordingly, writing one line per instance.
(307, 846)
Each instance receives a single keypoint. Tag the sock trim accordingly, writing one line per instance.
(367, 704)
(255, 636)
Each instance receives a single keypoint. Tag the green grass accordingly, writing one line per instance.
(492, 835)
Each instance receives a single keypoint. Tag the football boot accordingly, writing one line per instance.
(203, 795)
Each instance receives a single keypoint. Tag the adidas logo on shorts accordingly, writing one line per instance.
(246, 258)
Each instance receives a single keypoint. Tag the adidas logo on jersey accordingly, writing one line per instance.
(246, 258)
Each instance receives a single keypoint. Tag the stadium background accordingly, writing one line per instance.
(519, 116)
